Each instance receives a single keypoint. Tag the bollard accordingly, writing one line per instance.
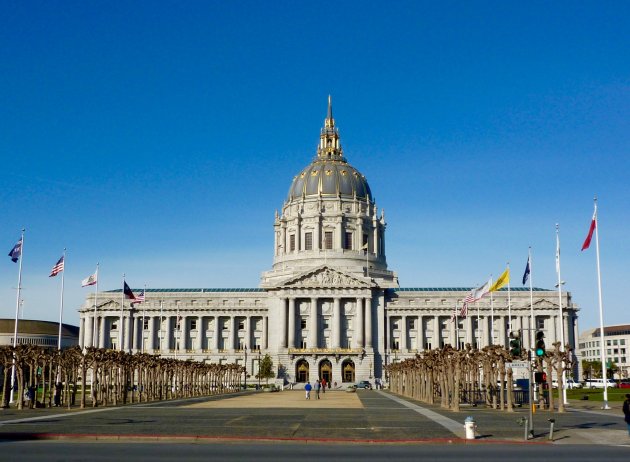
(470, 427)
(525, 423)
(551, 425)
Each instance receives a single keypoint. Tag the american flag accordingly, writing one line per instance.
(58, 268)
(468, 299)
(139, 297)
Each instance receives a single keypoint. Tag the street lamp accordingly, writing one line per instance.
(259, 367)
(245, 348)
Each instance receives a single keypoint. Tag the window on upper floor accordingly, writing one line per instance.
(193, 324)
(145, 323)
(302, 323)
(622, 342)
(412, 324)
(328, 240)
(292, 242)
(347, 241)
(540, 323)
(308, 241)
(241, 325)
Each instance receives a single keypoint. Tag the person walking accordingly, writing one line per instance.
(323, 385)
(318, 387)
(626, 411)
(308, 389)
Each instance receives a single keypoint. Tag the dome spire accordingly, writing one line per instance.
(329, 146)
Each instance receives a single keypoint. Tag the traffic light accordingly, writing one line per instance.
(540, 343)
(515, 344)
(538, 377)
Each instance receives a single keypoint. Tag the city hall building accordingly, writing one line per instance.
(329, 306)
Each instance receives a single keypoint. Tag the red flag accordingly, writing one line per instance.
(587, 241)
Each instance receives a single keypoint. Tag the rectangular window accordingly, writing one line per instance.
(114, 325)
(614, 342)
(325, 323)
(622, 342)
(303, 323)
(308, 241)
(347, 244)
(292, 242)
(145, 323)
(412, 324)
(328, 240)
(193, 324)
(303, 344)
(241, 325)
(365, 240)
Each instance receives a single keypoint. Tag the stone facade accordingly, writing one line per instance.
(329, 306)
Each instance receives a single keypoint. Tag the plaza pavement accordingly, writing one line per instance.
(364, 416)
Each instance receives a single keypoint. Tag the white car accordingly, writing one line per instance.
(570, 384)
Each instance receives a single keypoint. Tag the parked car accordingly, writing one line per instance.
(569, 385)
(365, 384)
(624, 383)
(599, 383)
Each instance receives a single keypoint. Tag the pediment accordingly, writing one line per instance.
(544, 303)
(326, 277)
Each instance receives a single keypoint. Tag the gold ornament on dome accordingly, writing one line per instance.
(314, 173)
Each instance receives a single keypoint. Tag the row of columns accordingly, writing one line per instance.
(160, 338)
(482, 333)
(362, 327)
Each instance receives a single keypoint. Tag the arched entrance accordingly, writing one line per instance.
(325, 371)
(301, 371)
(347, 369)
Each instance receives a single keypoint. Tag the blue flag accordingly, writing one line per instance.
(16, 251)
(128, 293)
(527, 271)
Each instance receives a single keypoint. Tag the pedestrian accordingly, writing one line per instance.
(58, 391)
(318, 386)
(31, 397)
(323, 385)
(308, 389)
(626, 411)
(27, 398)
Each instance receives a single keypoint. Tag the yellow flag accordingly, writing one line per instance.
(503, 280)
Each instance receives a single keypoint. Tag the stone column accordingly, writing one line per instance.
(200, 331)
(134, 329)
(453, 333)
(167, 332)
(420, 333)
(436, 332)
(292, 322)
(231, 334)
(336, 322)
(264, 340)
(469, 329)
(248, 332)
(217, 334)
(358, 329)
(283, 324)
(489, 331)
(86, 332)
(368, 323)
(313, 328)
(317, 235)
(101, 331)
(151, 337)
(403, 334)
(127, 332)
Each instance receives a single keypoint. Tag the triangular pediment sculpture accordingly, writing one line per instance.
(325, 276)
(543, 302)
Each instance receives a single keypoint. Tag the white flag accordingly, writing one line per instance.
(90, 280)
(483, 290)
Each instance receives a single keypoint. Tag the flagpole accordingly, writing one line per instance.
(161, 324)
(601, 311)
(456, 328)
(509, 302)
(531, 318)
(17, 313)
(63, 273)
(491, 314)
(143, 313)
(122, 304)
(178, 330)
(560, 313)
(94, 342)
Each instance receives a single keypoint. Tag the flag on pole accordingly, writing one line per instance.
(16, 251)
(482, 291)
(58, 268)
(128, 293)
(503, 280)
(527, 271)
(139, 298)
(469, 298)
(587, 241)
(90, 280)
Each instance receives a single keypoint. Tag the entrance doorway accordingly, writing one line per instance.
(325, 371)
(301, 371)
(347, 369)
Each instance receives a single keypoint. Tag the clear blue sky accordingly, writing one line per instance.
(158, 138)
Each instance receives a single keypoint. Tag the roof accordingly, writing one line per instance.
(464, 289)
(211, 290)
(623, 329)
(35, 327)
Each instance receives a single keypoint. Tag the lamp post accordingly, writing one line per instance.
(245, 347)
(259, 368)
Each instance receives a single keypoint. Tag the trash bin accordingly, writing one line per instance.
(470, 427)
